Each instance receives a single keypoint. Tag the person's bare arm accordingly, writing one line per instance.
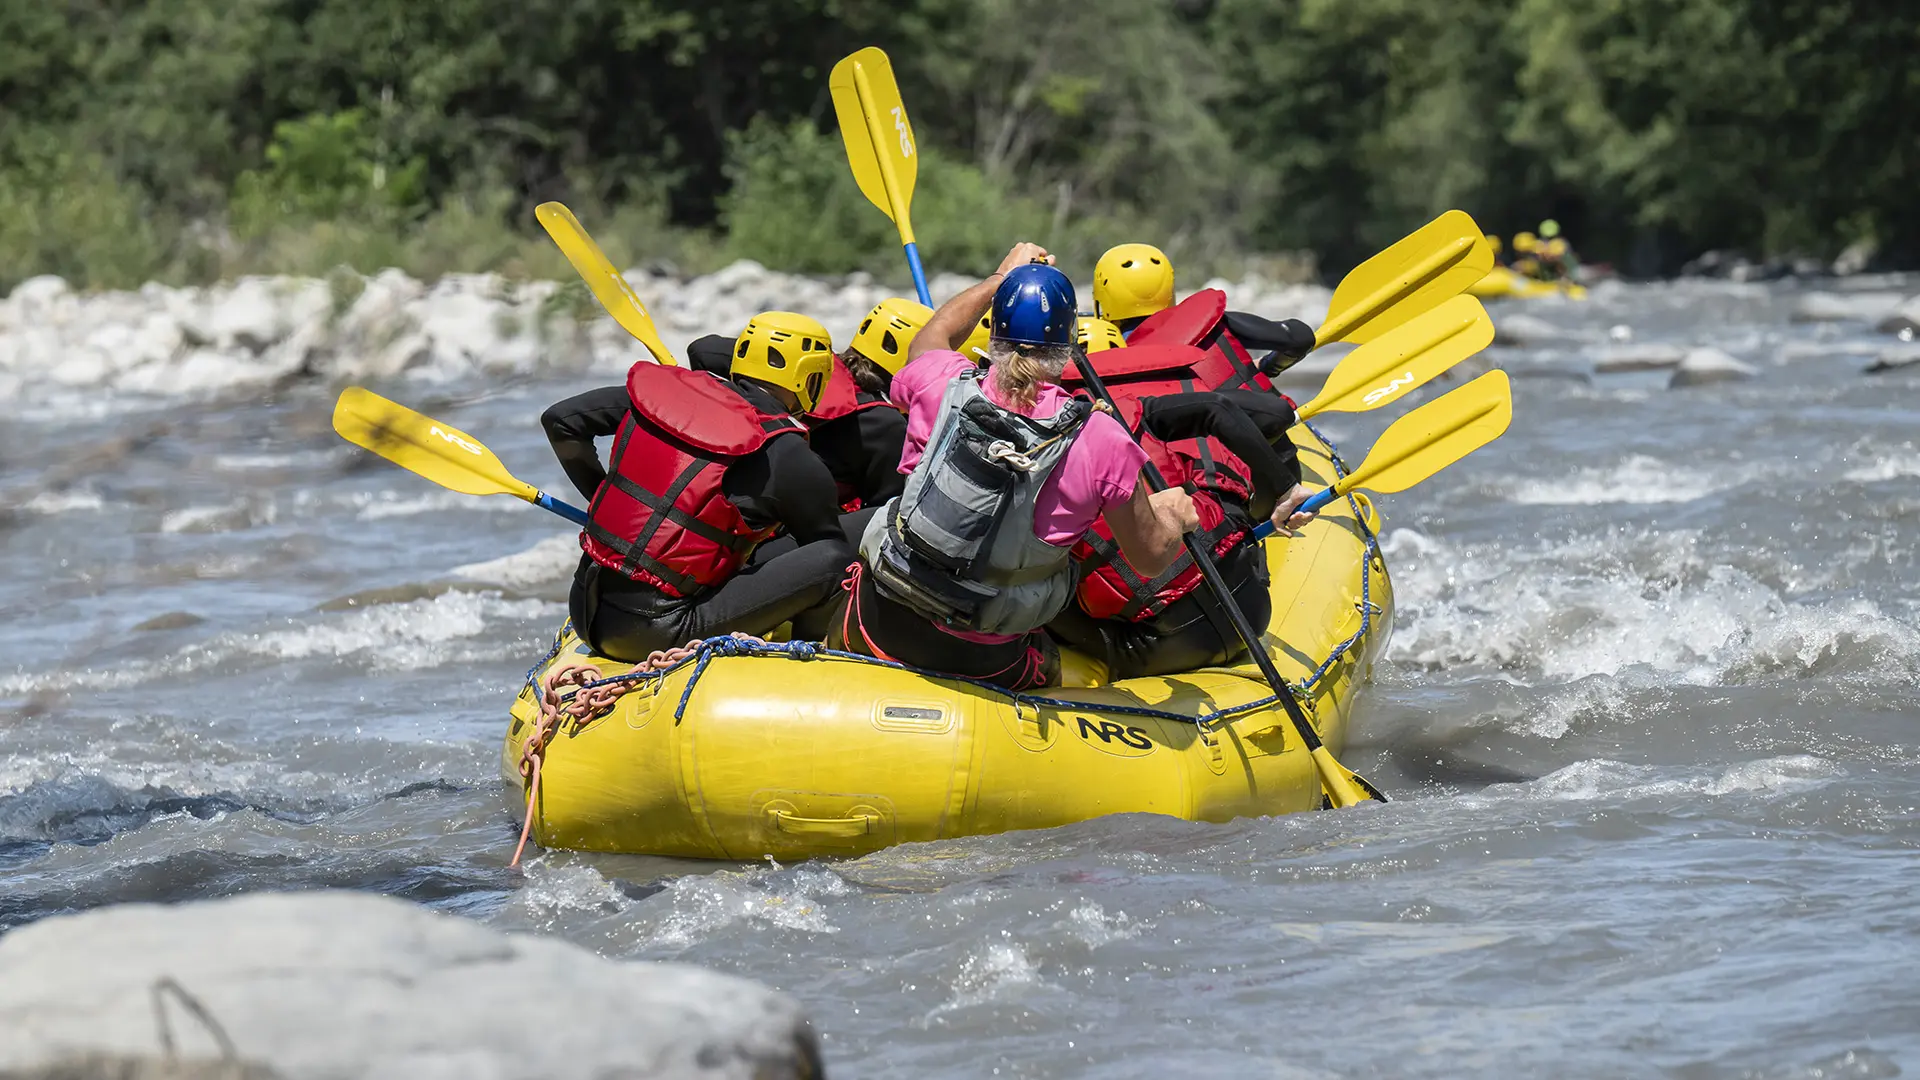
(953, 323)
(1148, 527)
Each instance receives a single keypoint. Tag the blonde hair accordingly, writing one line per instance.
(1019, 370)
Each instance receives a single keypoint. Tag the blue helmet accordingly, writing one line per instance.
(1035, 305)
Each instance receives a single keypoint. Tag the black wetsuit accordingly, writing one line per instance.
(783, 483)
(862, 449)
(1193, 631)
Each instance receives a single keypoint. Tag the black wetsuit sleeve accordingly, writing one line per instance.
(1291, 338)
(573, 424)
(712, 354)
(1262, 443)
(785, 483)
(883, 434)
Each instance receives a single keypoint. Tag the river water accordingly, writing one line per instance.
(1650, 719)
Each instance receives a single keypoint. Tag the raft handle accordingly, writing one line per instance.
(859, 823)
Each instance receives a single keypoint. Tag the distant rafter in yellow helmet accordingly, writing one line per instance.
(1099, 335)
(975, 347)
(1132, 280)
(788, 350)
(887, 330)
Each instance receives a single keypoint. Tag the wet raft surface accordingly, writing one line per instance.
(1648, 716)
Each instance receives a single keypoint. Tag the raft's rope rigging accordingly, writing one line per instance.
(596, 696)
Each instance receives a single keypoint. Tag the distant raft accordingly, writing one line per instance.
(746, 749)
(1503, 282)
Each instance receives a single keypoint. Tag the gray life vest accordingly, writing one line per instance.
(958, 545)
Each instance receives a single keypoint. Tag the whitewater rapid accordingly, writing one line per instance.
(1650, 716)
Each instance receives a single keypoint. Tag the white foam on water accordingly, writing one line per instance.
(404, 637)
(390, 637)
(77, 501)
(1636, 479)
(997, 970)
(552, 559)
(1090, 924)
(379, 506)
(1608, 604)
(298, 459)
(556, 889)
(225, 517)
(698, 906)
(1894, 466)
(1613, 781)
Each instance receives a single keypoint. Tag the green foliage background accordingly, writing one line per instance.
(187, 140)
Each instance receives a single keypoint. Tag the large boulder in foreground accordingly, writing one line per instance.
(338, 984)
(1706, 366)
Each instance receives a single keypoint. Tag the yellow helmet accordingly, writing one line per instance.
(787, 350)
(975, 347)
(1131, 280)
(1099, 335)
(1549, 229)
(1525, 241)
(1556, 247)
(1494, 243)
(885, 332)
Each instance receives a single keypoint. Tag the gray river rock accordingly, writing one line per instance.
(1647, 718)
(310, 986)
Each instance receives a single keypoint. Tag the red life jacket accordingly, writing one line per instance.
(1110, 588)
(660, 516)
(1201, 321)
(1138, 372)
(842, 398)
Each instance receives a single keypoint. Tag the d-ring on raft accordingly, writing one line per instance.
(740, 752)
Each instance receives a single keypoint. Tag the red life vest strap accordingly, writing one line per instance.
(702, 410)
(1185, 323)
(1136, 360)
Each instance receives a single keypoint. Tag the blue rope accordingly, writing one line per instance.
(1366, 569)
(729, 646)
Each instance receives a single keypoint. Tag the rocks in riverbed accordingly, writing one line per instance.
(1525, 330)
(1903, 320)
(1902, 356)
(1706, 366)
(338, 984)
(1651, 356)
(1846, 307)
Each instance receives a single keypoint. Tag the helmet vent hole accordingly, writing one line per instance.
(775, 358)
(1128, 265)
(889, 343)
(741, 349)
(864, 325)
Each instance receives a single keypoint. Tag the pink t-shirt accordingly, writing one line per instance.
(1097, 474)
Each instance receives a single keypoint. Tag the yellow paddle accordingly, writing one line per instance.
(880, 147)
(1433, 263)
(1405, 357)
(1424, 441)
(608, 284)
(440, 452)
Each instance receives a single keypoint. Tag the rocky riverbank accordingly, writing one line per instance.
(263, 332)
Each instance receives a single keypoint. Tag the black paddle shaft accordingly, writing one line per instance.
(1203, 559)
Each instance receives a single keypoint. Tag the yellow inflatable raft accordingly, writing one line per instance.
(732, 756)
(1503, 282)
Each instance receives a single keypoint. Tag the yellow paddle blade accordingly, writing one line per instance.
(1407, 356)
(1432, 263)
(609, 286)
(1435, 435)
(879, 138)
(440, 452)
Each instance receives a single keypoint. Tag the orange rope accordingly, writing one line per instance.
(585, 704)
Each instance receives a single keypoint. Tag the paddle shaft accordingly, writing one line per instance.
(1203, 559)
(566, 510)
